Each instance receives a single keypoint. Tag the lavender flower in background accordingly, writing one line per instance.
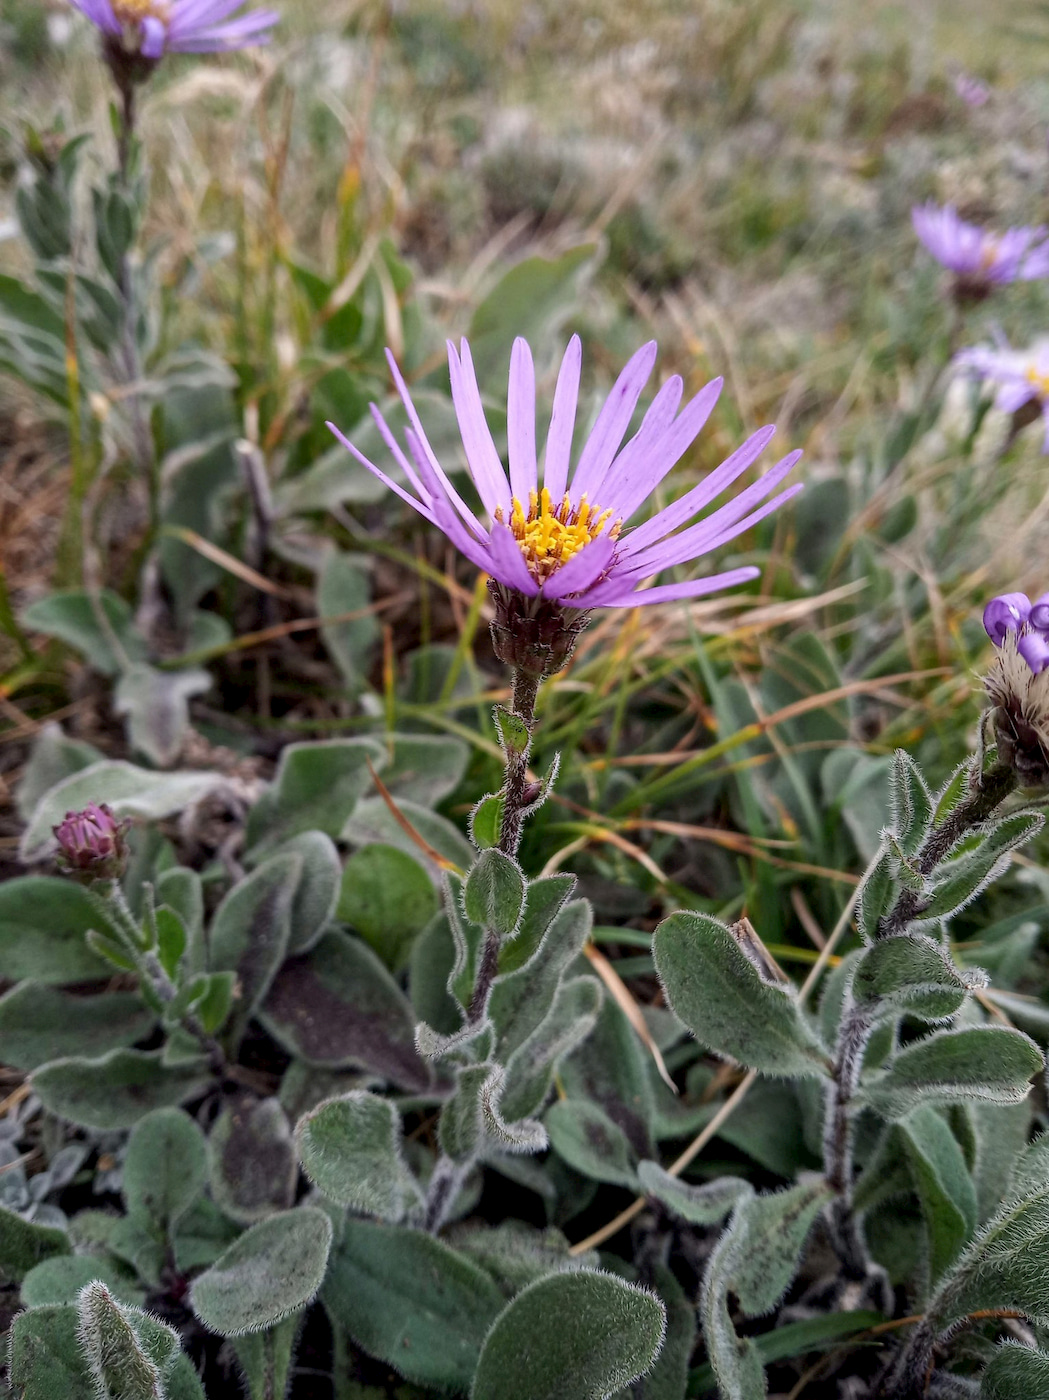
(564, 544)
(980, 260)
(91, 843)
(1020, 379)
(1018, 683)
(152, 28)
(972, 91)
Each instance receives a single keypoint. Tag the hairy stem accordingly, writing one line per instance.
(445, 1185)
(515, 798)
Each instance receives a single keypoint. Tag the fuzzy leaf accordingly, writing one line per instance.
(577, 1336)
(945, 1188)
(521, 1000)
(59, 1280)
(1016, 1371)
(424, 768)
(914, 974)
(71, 617)
(165, 1168)
(911, 803)
(699, 1205)
(171, 939)
(530, 1069)
(388, 898)
(516, 1254)
(317, 892)
(486, 821)
(251, 1159)
(734, 1360)
(373, 821)
(39, 1023)
(514, 735)
(876, 894)
(130, 791)
(494, 893)
(250, 930)
(44, 1358)
(23, 1244)
(959, 881)
(461, 1129)
(181, 889)
(1004, 1267)
(117, 1089)
(52, 758)
(156, 706)
(728, 1005)
(771, 1231)
(315, 788)
(992, 1063)
(337, 1006)
(43, 922)
(127, 1352)
(588, 1140)
(265, 1359)
(272, 1271)
(350, 1149)
(411, 1301)
(344, 587)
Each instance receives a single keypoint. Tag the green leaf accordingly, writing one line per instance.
(251, 1160)
(913, 974)
(514, 734)
(945, 1188)
(71, 617)
(388, 898)
(722, 997)
(577, 1336)
(316, 788)
(317, 892)
(1003, 1268)
(699, 1205)
(770, 1232)
(156, 706)
(350, 1149)
(588, 1140)
(171, 940)
(250, 930)
(117, 1089)
(411, 1301)
(130, 791)
(337, 1006)
(213, 1006)
(45, 1360)
(23, 1244)
(461, 1130)
(43, 921)
(794, 1339)
(515, 1254)
(373, 821)
(344, 586)
(991, 1063)
(734, 1360)
(521, 1000)
(265, 1359)
(424, 768)
(272, 1271)
(959, 881)
(165, 1168)
(59, 1280)
(39, 1023)
(486, 821)
(530, 1069)
(911, 803)
(494, 893)
(181, 890)
(128, 1352)
(52, 758)
(877, 893)
(1016, 1371)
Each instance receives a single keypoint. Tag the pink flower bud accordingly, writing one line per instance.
(92, 843)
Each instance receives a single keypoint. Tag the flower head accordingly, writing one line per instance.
(1018, 683)
(562, 540)
(978, 259)
(92, 844)
(973, 91)
(152, 28)
(1020, 379)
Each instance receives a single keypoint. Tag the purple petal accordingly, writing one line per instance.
(424, 511)
(99, 12)
(520, 422)
(508, 563)
(582, 570)
(1013, 393)
(1034, 648)
(240, 34)
(485, 466)
(612, 423)
(671, 592)
(154, 37)
(709, 534)
(395, 449)
(1039, 616)
(431, 457)
(562, 422)
(468, 545)
(1005, 613)
(638, 478)
(710, 487)
(200, 14)
(645, 446)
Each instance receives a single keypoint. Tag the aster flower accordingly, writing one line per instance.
(1018, 683)
(972, 91)
(978, 259)
(152, 28)
(1020, 379)
(92, 844)
(563, 541)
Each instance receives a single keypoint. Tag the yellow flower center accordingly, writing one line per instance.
(549, 536)
(135, 11)
(1040, 380)
(989, 253)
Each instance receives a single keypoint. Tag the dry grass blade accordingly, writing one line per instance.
(226, 561)
(620, 993)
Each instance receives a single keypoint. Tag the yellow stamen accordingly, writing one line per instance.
(135, 11)
(550, 535)
(1039, 379)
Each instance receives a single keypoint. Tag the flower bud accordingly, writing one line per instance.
(531, 635)
(92, 844)
(1018, 684)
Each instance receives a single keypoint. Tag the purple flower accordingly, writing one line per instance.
(1012, 617)
(153, 28)
(566, 542)
(91, 843)
(1020, 378)
(980, 260)
(972, 91)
